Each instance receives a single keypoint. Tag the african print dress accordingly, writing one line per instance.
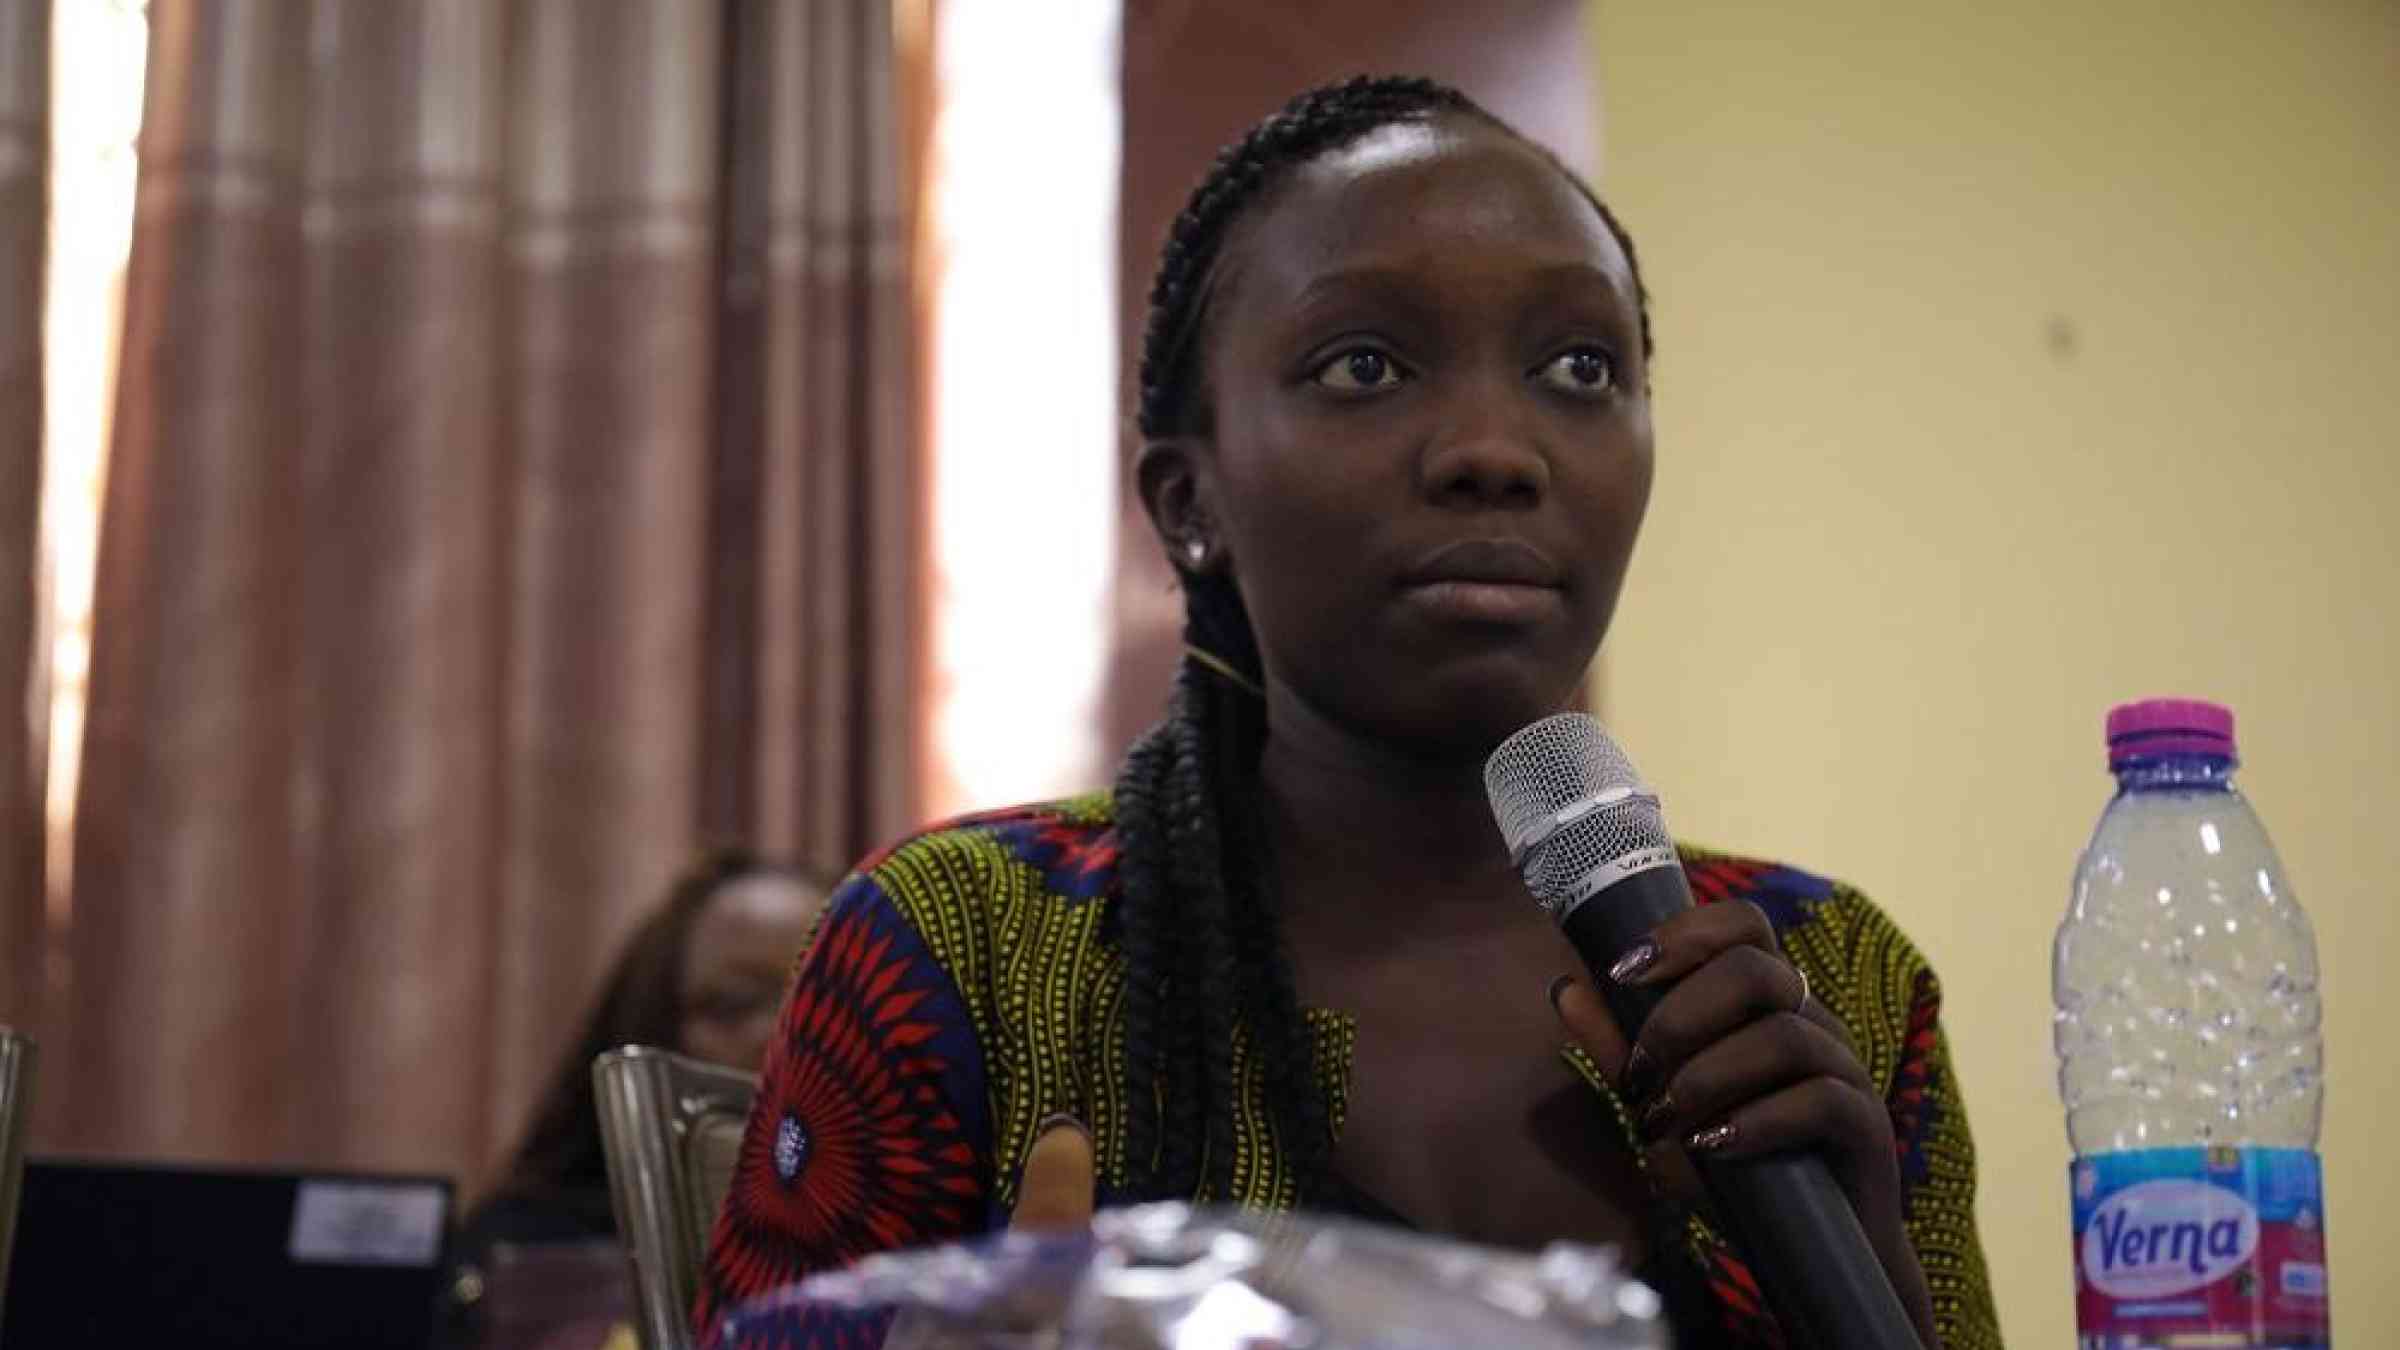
(965, 986)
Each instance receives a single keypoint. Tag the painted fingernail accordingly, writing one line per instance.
(1557, 987)
(1641, 1075)
(1639, 958)
(1654, 1116)
(1711, 1139)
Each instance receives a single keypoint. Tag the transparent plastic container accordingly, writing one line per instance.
(2190, 1061)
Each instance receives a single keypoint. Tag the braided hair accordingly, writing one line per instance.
(1205, 959)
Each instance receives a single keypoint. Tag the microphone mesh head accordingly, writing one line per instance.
(1549, 766)
(1556, 764)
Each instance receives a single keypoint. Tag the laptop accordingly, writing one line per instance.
(112, 1253)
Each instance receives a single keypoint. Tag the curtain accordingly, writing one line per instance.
(815, 350)
(515, 486)
(24, 160)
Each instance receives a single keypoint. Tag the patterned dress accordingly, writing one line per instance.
(964, 987)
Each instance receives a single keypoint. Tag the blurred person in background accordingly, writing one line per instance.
(702, 977)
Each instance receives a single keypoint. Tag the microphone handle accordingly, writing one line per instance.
(1785, 1210)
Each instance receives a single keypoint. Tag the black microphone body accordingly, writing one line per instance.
(1786, 1212)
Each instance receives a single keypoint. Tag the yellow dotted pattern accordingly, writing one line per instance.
(1047, 996)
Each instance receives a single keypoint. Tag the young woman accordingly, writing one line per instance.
(1397, 443)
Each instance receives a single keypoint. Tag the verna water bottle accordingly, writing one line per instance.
(2185, 981)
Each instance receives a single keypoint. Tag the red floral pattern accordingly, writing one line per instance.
(857, 1142)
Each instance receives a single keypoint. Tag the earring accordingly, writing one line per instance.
(1196, 549)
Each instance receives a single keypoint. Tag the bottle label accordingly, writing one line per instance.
(2214, 1246)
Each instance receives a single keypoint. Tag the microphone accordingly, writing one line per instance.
(1592, 845)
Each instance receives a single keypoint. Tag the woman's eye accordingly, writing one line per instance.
(1359, 368)
(1580, 370)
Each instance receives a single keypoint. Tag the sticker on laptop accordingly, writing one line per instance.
(367, 1223)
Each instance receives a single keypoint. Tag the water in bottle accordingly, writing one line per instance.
(2189, 1059)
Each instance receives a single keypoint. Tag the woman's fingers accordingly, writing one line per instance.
(1739, 985)
(1726, 972)
(1834, 1120)
(1848, 1127)
(1813, 1009)
(1751, 1062)
(1691, 940)
(1838, 1120)
(1736, 1059)
(1060, 1180)
(1588, 1023)
(1739, 1058)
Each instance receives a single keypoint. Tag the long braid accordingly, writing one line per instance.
(1146, 946)
(1198, 868)
(1203, 944)
(1281, 1035)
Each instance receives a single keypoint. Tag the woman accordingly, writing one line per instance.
(702, 976)
(1394, 401)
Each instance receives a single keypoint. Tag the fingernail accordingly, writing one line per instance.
(1629, 967)
(1050, 1123)
(1711, 1139)
(1655, 1115)
(1641, 1071)
(1557, 987)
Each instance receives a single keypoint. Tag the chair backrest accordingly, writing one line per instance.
(16, 1113)
(672, 1127)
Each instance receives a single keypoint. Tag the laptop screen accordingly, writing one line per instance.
(118, 1253)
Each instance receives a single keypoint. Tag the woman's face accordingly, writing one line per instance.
(1430, 449)
(736, 964)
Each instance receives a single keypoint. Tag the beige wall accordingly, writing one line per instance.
(2015, 360)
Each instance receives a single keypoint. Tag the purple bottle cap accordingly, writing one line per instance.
(2169, 726)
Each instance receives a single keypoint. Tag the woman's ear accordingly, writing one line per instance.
(1172, 477)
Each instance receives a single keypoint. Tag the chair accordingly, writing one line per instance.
(672, 1128)
(16, 1113)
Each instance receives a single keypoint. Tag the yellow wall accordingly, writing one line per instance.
(2015, 359)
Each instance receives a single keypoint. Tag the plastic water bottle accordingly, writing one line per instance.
(2185, 981)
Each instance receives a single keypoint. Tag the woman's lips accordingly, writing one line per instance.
(1490, 581)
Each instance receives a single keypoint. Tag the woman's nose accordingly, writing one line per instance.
(1486, 458)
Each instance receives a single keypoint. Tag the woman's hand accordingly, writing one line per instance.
(1735, 1061)
(1060, 1182)
(1055, 1195)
